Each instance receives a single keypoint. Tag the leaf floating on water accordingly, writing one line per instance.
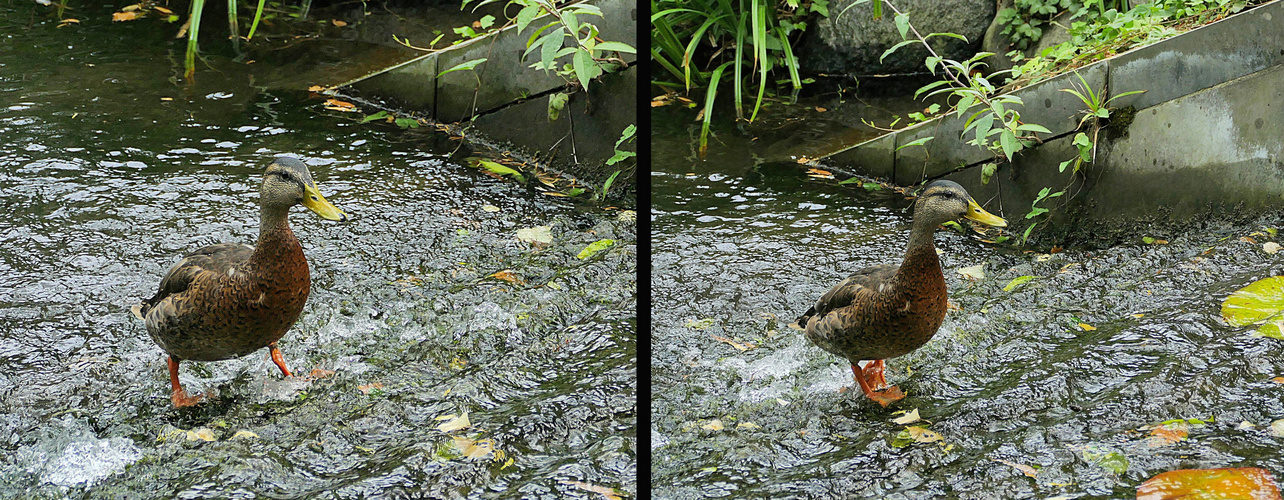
(1277, 428)
(747, 425)
(1016, 282)
(538, 235)
(1025, 469)
(1260, 303)
(496, 168)
(202, 434)
(595, 247)
(244, 434)
(474, 449)
(819, 174)
(1086, 327)
(1167, 434)
(509, 276)
(713, 425)
(320, 373)
(923, 435)
(126, 16)
(1271, 247)
(1246, 483)
(1153, 241)
(1106, 459)
(742, 346)
(973, 273)
(490, 208)
(454, 423)
(367, 388)
(337, 105)
(1278, 380)
(607, 493)
(699, 324)
(908, 418)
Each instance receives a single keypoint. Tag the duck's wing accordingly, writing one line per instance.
(861, 286)
(205, 263)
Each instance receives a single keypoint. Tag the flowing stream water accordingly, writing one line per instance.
(113, 168)
(1048, 389)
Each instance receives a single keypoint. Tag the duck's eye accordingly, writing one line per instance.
(314, 198)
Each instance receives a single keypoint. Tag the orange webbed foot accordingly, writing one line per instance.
(871, 379)
(182, 400)
(874, 374)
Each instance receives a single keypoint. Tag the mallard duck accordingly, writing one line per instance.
(228, 300)
(887, 311)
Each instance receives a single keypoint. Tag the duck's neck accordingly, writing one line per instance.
(277, 244)
(920, 254)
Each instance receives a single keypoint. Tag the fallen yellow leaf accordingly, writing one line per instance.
(509, 276)
(923, 435)
(124, 16)
(366, 388)
(454, 423)
(908, 418)
(338, 23)
(474, 449)
(1025, 469)
(1086, 327)
(742, 346)
(713, 425)
(607, 493)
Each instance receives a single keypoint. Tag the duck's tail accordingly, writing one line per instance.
(801, 322)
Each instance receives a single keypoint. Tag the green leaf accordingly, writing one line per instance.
(916, 142)
(606, 186)
(556, 102)
(951, 35)
(407, 122)
(526, 15)
(1016, 282)
(552, 42)
(486, 21)
(594, 247)
(987, 171)
(463, 66)
(377, 116)
(888, 52)
(616, 46)
(1009, 144)
(497, 168)
(902, 25)
(586, 69)
(1033, 128)
(1106, 459)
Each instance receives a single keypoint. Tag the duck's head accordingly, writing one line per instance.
(287, 182)
(943, 201)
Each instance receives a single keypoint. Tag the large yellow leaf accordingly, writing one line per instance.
(1209, 484)
(1261, 302)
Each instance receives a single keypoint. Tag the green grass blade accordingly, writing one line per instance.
(258, 14)
(233, 26)
(189, 62)
(710, 95)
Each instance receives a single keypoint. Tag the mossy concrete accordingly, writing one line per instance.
(1205, 134)
(506, 100)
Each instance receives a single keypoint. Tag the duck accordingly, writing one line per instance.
(889, 310)
(228, 300)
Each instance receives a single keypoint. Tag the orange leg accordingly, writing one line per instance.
(275, 354)
(179, 396)
(883, 397)
(874, 374)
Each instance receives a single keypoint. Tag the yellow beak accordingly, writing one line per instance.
(976, 213)
(315, 202)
